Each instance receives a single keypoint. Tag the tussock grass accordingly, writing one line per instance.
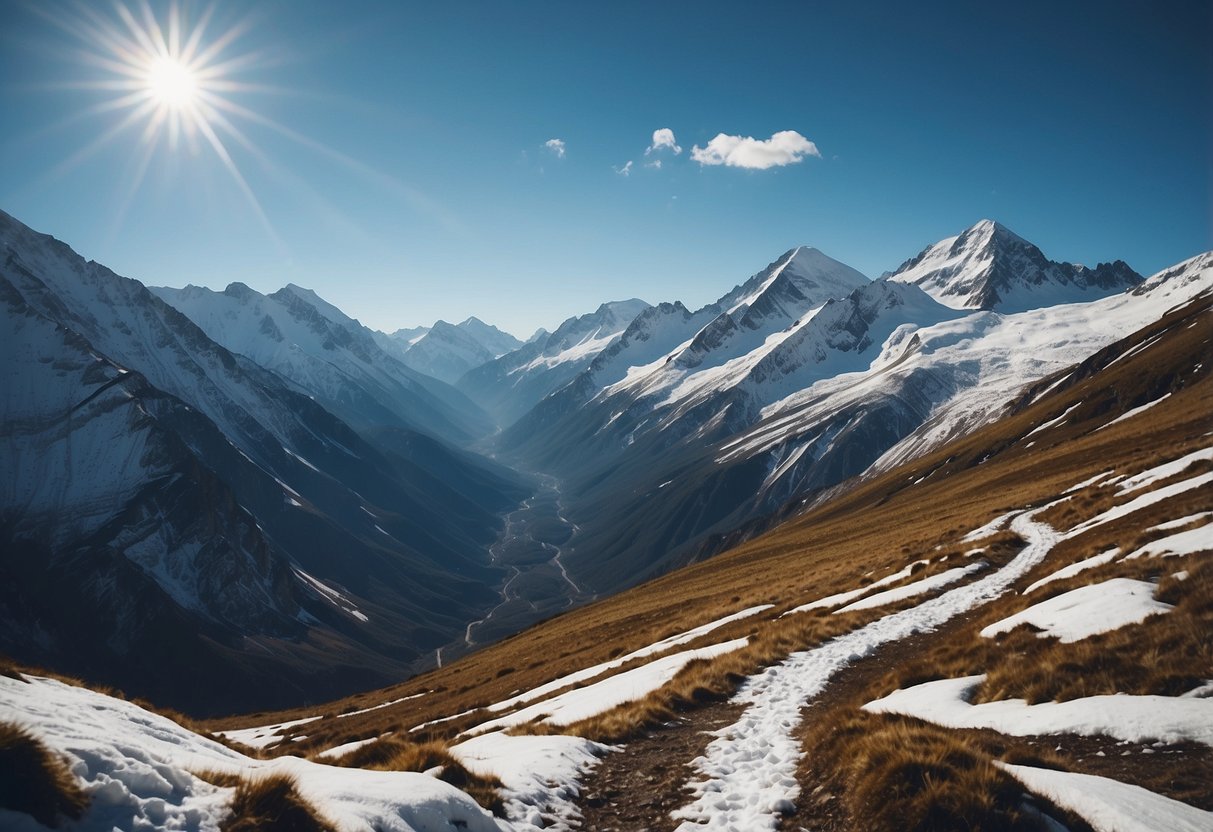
(395, 754)
(272, 803)
(223, 779)
(1166, 654)
(900, 775)
(36, 781)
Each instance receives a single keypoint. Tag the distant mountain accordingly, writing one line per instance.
(490, 337)
(447, 351)
(329, 356)
(989, 266)
(179, 517)
(515, 382)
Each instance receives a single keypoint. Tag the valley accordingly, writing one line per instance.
(530, 546)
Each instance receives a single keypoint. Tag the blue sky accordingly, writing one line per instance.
(412, 181)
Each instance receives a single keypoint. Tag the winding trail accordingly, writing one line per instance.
(748, 773)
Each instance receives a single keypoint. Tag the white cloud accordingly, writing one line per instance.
(625, 170)
(663, 138)
(787, 147)
(655, 164)
(556, 146)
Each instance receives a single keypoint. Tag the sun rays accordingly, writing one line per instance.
(169, 81)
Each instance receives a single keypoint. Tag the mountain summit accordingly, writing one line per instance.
(991, 267)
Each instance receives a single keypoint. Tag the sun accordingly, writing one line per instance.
(171, 83)
(168, 78)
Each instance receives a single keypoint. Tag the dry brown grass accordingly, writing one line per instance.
(1165, 654)
(272, 803)
(223, 779)
(36, 781)
(895, 775)
(395, 754)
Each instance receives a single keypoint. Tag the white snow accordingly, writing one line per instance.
(263, 736)
(1086, 611)
(585, 702)
(1182, 521)
(929, 584)
(539, 774)
(136, 766)
(989, 529)
(1109, 805)
(1163, 471)
(597, 670)
(1086, 482)
(346, 747)
(1129, 414)
(1074, 568)
(1143, 501)
(747, 776)
(1051, 422)
(946, 702)
(843, 597)
(383, 705)
(331, 595)
(1181, 543)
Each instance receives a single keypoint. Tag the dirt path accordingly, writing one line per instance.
(637, 788)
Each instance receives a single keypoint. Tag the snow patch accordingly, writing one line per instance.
(922, 587)
(1086, 611)
(1109, 805)
(946, 702)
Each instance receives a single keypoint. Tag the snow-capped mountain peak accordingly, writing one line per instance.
(988, 266)
(815, 275)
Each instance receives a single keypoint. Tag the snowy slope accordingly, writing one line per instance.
(989, 266)
(510, 385)
(216, 455)
(672, 362)
(961, 372)
(88, 459)
(139, 770)
(859, 385)
(328, 355)
(497, 342)
(446, 352)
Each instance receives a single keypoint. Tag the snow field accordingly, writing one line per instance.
(597, 670)
(539, 775)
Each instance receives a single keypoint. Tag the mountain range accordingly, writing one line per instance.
(317, 507)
